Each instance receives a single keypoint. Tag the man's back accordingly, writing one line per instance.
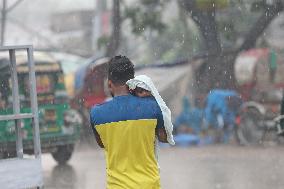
(126, 126)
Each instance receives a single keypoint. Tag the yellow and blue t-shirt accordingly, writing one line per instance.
(126, 126)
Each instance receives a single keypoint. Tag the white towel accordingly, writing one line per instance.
(146, 83)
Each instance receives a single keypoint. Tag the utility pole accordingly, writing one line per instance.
(5, 10)
(3, 20)
(114, 43)
(100, 8)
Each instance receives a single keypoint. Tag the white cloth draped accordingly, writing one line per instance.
(146, 83)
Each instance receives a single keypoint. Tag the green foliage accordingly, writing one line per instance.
(211, 4)
(150, 2)
(234, 22)
(168, 39)
(178, 41)
(257, 6)
(103, 41)
(146, 16)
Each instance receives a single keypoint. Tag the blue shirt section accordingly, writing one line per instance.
(128, 107)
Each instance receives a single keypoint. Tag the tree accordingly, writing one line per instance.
(114, 42)
(145, 15)
(218, 69)
(183, 43)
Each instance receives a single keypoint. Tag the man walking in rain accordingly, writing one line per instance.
(126, 128)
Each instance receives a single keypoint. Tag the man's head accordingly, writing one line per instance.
(120, 70)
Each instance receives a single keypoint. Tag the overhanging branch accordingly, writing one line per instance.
(205, 20)
(270, 12)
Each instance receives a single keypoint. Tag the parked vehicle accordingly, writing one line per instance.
(266, 126)
(70, 64)
(59, 125)
(260, 80)
(89, 90)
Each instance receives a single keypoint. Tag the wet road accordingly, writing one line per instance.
(220, 167)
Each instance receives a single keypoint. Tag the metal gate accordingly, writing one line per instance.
(22, 172)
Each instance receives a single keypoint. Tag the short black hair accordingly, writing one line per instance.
(120, 70)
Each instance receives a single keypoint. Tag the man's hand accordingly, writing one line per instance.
(162, 135)
(98, 139)
(97, 136)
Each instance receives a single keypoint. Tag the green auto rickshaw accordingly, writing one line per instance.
(59, 125)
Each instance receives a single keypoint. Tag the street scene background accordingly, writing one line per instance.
(201, 168)
(218, 65)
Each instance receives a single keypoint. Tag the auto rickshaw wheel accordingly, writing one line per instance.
(249, 131)
(63, 153)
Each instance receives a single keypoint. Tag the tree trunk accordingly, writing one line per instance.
(209, 74)
(208, 28)
(116, 26)
(216, 70)
(206, 22)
